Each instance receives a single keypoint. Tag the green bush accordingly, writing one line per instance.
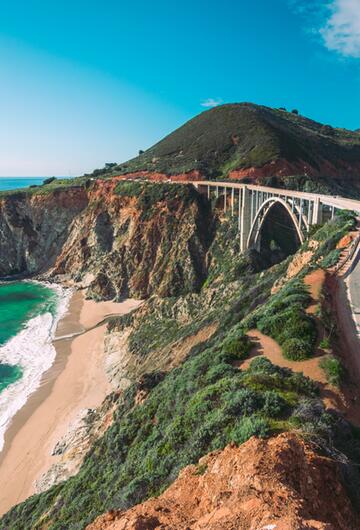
(128, 188)
(247, 427)
(198, 407)
(236, 347)
(274, 404)
(243, 402)
(296, 349)
(331, 259)
(333, 369)
(284, 319)
(49, 180)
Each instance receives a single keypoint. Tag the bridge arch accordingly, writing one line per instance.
(266, 208)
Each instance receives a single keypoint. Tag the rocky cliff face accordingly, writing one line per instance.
(116, 244)
(278, 484)
(34, 227)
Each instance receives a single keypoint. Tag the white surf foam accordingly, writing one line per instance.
(33, 351)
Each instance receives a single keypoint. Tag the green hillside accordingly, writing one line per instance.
(243, 135)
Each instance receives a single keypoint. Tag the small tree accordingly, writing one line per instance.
(49, 180)
(140, 151)
(295, 111)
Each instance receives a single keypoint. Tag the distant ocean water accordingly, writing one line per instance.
(13, 183)
(29, 313)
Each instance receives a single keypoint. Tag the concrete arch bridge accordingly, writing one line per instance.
(261, 209)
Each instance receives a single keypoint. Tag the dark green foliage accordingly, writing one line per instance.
(297, 349)
(237, 136)
(330, 234)
(331, 259)
(200, 406)
(333, 369)
(236, 346)
(247, 427)
(284, 319)
(49, 180)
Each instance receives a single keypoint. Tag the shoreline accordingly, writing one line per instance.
(46, 416)
(31, 348)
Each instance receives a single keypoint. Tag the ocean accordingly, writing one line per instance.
(29, 313)
(13, 183)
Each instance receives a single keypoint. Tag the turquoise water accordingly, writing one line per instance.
(19, 302)
(13, 183)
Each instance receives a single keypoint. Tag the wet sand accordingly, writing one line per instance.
(75, 381)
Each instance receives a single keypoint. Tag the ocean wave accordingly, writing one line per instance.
(33, 351)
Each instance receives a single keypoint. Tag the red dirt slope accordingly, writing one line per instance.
(275, 484)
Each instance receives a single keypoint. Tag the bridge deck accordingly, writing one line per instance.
(337, 202)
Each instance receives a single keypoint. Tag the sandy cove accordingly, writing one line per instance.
(75, 381)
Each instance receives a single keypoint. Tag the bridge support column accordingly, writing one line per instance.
(317, 212)
(245, 222)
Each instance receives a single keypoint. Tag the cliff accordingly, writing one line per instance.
(114, 239)
(34, 228)
(281, 483)
(189, 384)
(187, 379)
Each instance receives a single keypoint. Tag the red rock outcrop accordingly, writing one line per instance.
(285, 168)
(275, 484)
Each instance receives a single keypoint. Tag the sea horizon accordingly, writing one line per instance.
(21, 181)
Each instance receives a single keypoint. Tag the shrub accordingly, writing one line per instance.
(325, 344)
(331, 259)
(274, 404)
(262, 365)
(128, 188)
(285, 320)
(49, 180)
(236, 347)
(247, 427)
(296, 349)
(243, 402)
(333, 369)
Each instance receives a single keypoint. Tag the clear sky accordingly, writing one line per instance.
(85, 82)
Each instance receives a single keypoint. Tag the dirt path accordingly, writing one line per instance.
(347, 401)
(268, 347)
(315, 281)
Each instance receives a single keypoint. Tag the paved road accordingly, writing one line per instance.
(353, 285)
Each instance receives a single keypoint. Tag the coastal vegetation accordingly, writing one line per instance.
(210, 398)
(236, 137)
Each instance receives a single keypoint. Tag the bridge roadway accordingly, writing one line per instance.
(341, 203)
(251, 204)
(304, 209)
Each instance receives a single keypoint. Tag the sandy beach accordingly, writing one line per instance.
(75, 381)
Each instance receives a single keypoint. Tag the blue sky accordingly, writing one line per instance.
(89, 82)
